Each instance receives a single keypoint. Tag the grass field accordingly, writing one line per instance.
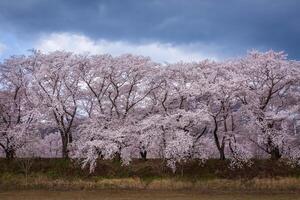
(215, 175)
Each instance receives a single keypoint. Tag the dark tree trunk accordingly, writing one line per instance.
(220, 147)
(117, 157)
(275, 154)
(222, 154)
(143, 155)
(65, 152)
(9, 154)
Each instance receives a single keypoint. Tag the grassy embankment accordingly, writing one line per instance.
(215, 175)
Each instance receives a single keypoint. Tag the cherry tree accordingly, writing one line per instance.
(223, 86)
(56, 86)
(268, 79)
(116, 94)
(175, 133)
(17, 107)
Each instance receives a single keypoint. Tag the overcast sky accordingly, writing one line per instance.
(166, 30)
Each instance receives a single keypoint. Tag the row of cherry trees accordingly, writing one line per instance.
(100, 107)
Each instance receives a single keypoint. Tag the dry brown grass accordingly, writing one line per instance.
(256, 185)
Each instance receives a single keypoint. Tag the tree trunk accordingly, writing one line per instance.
(9, 154)
(217, 141)
(65, 152)
(275, 154)
(143, 155)
(222, 154)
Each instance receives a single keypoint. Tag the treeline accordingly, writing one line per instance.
(91, 107)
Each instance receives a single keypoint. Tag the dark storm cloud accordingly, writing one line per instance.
(236, 25)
